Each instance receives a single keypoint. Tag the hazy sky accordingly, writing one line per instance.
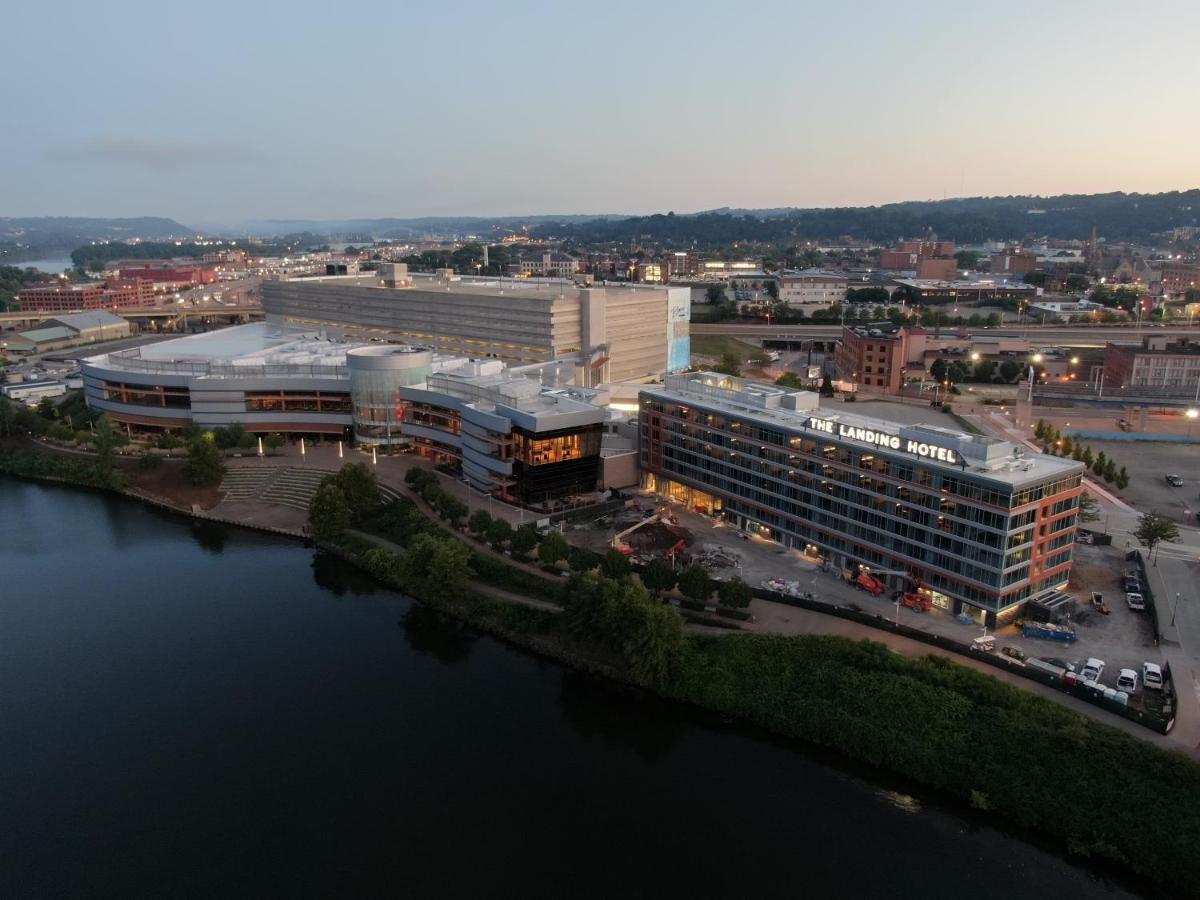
(214, 112)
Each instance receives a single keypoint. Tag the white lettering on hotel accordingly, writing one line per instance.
(883, 439)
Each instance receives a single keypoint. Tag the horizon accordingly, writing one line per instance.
(477, 111)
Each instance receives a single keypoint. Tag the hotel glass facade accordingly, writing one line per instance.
(973, 519)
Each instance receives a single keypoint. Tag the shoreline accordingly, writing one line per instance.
(526, 629)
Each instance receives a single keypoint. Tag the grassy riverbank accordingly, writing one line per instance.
(1027, 760)
(1005, 751)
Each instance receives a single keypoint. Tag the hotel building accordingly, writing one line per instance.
(978, 523)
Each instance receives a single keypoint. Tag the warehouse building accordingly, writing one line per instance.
(978, 523)
(67, 330)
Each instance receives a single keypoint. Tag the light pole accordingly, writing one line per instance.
(1175, 609)
(1191, 415)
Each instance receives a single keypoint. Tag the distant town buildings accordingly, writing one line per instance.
(67, 330)
(64, 296)
(545, 264)
(1163, 364)
(1014, 263)
(811, 288)
(906, 256)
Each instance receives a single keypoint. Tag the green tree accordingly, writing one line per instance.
(1099, 464)
(437, 567)
(1089, 509)
(1122, 479)
(614, 564)
(1152, 530)
(523, 540)
(46, 409)
(826, 386)
(499, 533)
(328, 511)
(938, 369)
(730, 364)
(273, 441)
(479, 522)
(1009, 370)
(1067, 448)
(1110, 470)
(695, 583)
(735, 593)
(715, 293)
(771, 286)
(553, 548)
(360, 488)
(659, 576)
(985, 370)
(582, 559)
(1088, 458)
(230, 436)
(204, 465)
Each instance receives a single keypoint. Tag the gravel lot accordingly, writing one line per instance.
(1147, 462)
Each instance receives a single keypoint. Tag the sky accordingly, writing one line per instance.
(220, 113)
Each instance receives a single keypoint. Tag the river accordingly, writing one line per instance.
(201, 711)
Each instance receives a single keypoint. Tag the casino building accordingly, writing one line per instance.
(519, 434)
(977, 523)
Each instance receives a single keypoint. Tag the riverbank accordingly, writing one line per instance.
(1097, 791)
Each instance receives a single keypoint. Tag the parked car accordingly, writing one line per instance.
(1060, 663)
(1174, 481)
(1084, 537)
(1133, 586)
(1014, 653)
(1127, 681)
(1152, 676)
(1135, 601)
(1092, 670)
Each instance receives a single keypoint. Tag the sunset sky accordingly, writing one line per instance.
(223, 112)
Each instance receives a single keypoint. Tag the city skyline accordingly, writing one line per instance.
(533, 109)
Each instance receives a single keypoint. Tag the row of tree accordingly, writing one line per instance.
(1103, 466)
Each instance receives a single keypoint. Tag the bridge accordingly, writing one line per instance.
(147, 313)
(1037, 335)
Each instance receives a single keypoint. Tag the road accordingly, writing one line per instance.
(1048, 336)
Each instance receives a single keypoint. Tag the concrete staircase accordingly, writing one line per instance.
(292, 486)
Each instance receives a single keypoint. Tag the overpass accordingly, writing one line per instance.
(146, 313)
(1038, 335)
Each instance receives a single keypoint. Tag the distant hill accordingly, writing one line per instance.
(44, 236)
(395, 228)
(1117, 216)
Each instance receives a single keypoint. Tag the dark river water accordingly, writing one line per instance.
(191, 711)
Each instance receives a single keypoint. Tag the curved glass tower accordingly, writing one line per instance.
(376, 376)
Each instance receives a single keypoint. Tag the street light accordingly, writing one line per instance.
(1174, 609)
(975, 356)
(1191, 417)
(1036, 358)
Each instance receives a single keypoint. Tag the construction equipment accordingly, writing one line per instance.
(916, 601)
(865, 582)
(618, 541)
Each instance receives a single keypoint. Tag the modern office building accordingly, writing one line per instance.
(978, 523)
(517, 434)
(624, 333)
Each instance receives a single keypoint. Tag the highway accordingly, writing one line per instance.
(1042, 336)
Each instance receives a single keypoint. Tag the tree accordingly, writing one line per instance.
(328, 511)
(1099, 463)
(1122, 479)
(1089, 509)
(715, 293)
(553, 548)
(523, 540)
(359, 487)
(614, 564)
(273, 441)
(46, 408)
(1087, 458)
(230, 436)
(985, 369)
(1110, 470)
(1067, 448)
(826, 386)
(967, 259)
(499, 533)
(959, 371)
(438, 567)
(204, 465)
(659, 576)
(1152, 530)
(582, 560)
(479, 522)
(1039, 430)
(735, 593)
(938, 369)
(771, 286)
(695, 583)
(730, 364)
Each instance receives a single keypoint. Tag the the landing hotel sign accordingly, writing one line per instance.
(883, 439)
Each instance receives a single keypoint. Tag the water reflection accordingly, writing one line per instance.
(340, 578)
(619, 715)
(432, 633)
(210, 535)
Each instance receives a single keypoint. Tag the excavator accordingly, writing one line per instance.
(665, 516)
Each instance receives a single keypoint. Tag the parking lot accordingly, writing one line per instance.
(1147, 462)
